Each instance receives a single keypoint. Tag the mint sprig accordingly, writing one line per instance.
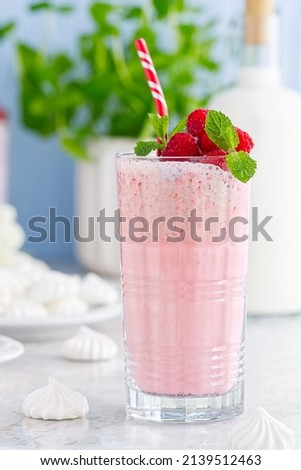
(241, 165)
(143, 148)
(221, 131)
(160, 125)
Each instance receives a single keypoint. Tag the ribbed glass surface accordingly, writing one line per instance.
(184, 301)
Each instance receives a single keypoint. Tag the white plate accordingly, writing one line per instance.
(55, 328)
(10, 349)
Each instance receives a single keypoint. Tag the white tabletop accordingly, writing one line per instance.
(273, 380)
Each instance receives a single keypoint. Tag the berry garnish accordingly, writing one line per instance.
(206, 145)
(181, 144)
(211, 136)
(221, 131)
(245, 141)
(196, 123)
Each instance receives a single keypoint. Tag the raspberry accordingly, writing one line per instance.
(196, 123)
(245, 141)
(181, 145)
(207, 146)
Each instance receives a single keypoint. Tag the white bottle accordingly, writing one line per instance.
(3, 156)
(271, 113)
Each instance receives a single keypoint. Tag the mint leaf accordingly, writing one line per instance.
(221, 131)
(6, 29)
(180, 127)
(144, 148)
(241, 165)
(160, 125)
(75, 148)
(40, 6)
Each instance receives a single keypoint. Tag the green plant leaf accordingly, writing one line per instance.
(160, 125)
(62, 63)
(75, 148)
(144, 31)
(144, 148)
(179, 5)
(180, 127)
(133, 13)
(241, 165)
(69, 100)
(188, 30)
(162, 7)
(40, 6)
(6, 29)
(39, 106)
(38, 113)
(64, 9)
(221, 131)
(48, 6)
(30, 61)
(101, 88)
(100, 11)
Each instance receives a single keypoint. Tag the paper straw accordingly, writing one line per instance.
(151, 77)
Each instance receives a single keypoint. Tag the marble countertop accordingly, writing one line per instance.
(273, 380)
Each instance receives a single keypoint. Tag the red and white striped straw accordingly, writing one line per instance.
(151, 77)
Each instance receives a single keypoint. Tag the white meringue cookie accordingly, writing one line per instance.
(12, 238)
(55, 402)
(8, 214)
(261, 431)
(27, 271)
(18, 286)
(21, 273)
(25, 308)
(55, 286)
(89, 345)
(69, 307)
(97, 291)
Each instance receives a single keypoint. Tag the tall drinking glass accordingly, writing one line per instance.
(184, 253)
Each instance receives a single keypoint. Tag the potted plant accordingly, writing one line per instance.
(97, 101)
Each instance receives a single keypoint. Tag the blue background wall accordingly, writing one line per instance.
(41, 175)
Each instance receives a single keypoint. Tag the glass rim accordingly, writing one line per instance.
(154, 157)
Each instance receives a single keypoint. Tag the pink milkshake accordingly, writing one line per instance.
(184, 296)
(184, 213)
